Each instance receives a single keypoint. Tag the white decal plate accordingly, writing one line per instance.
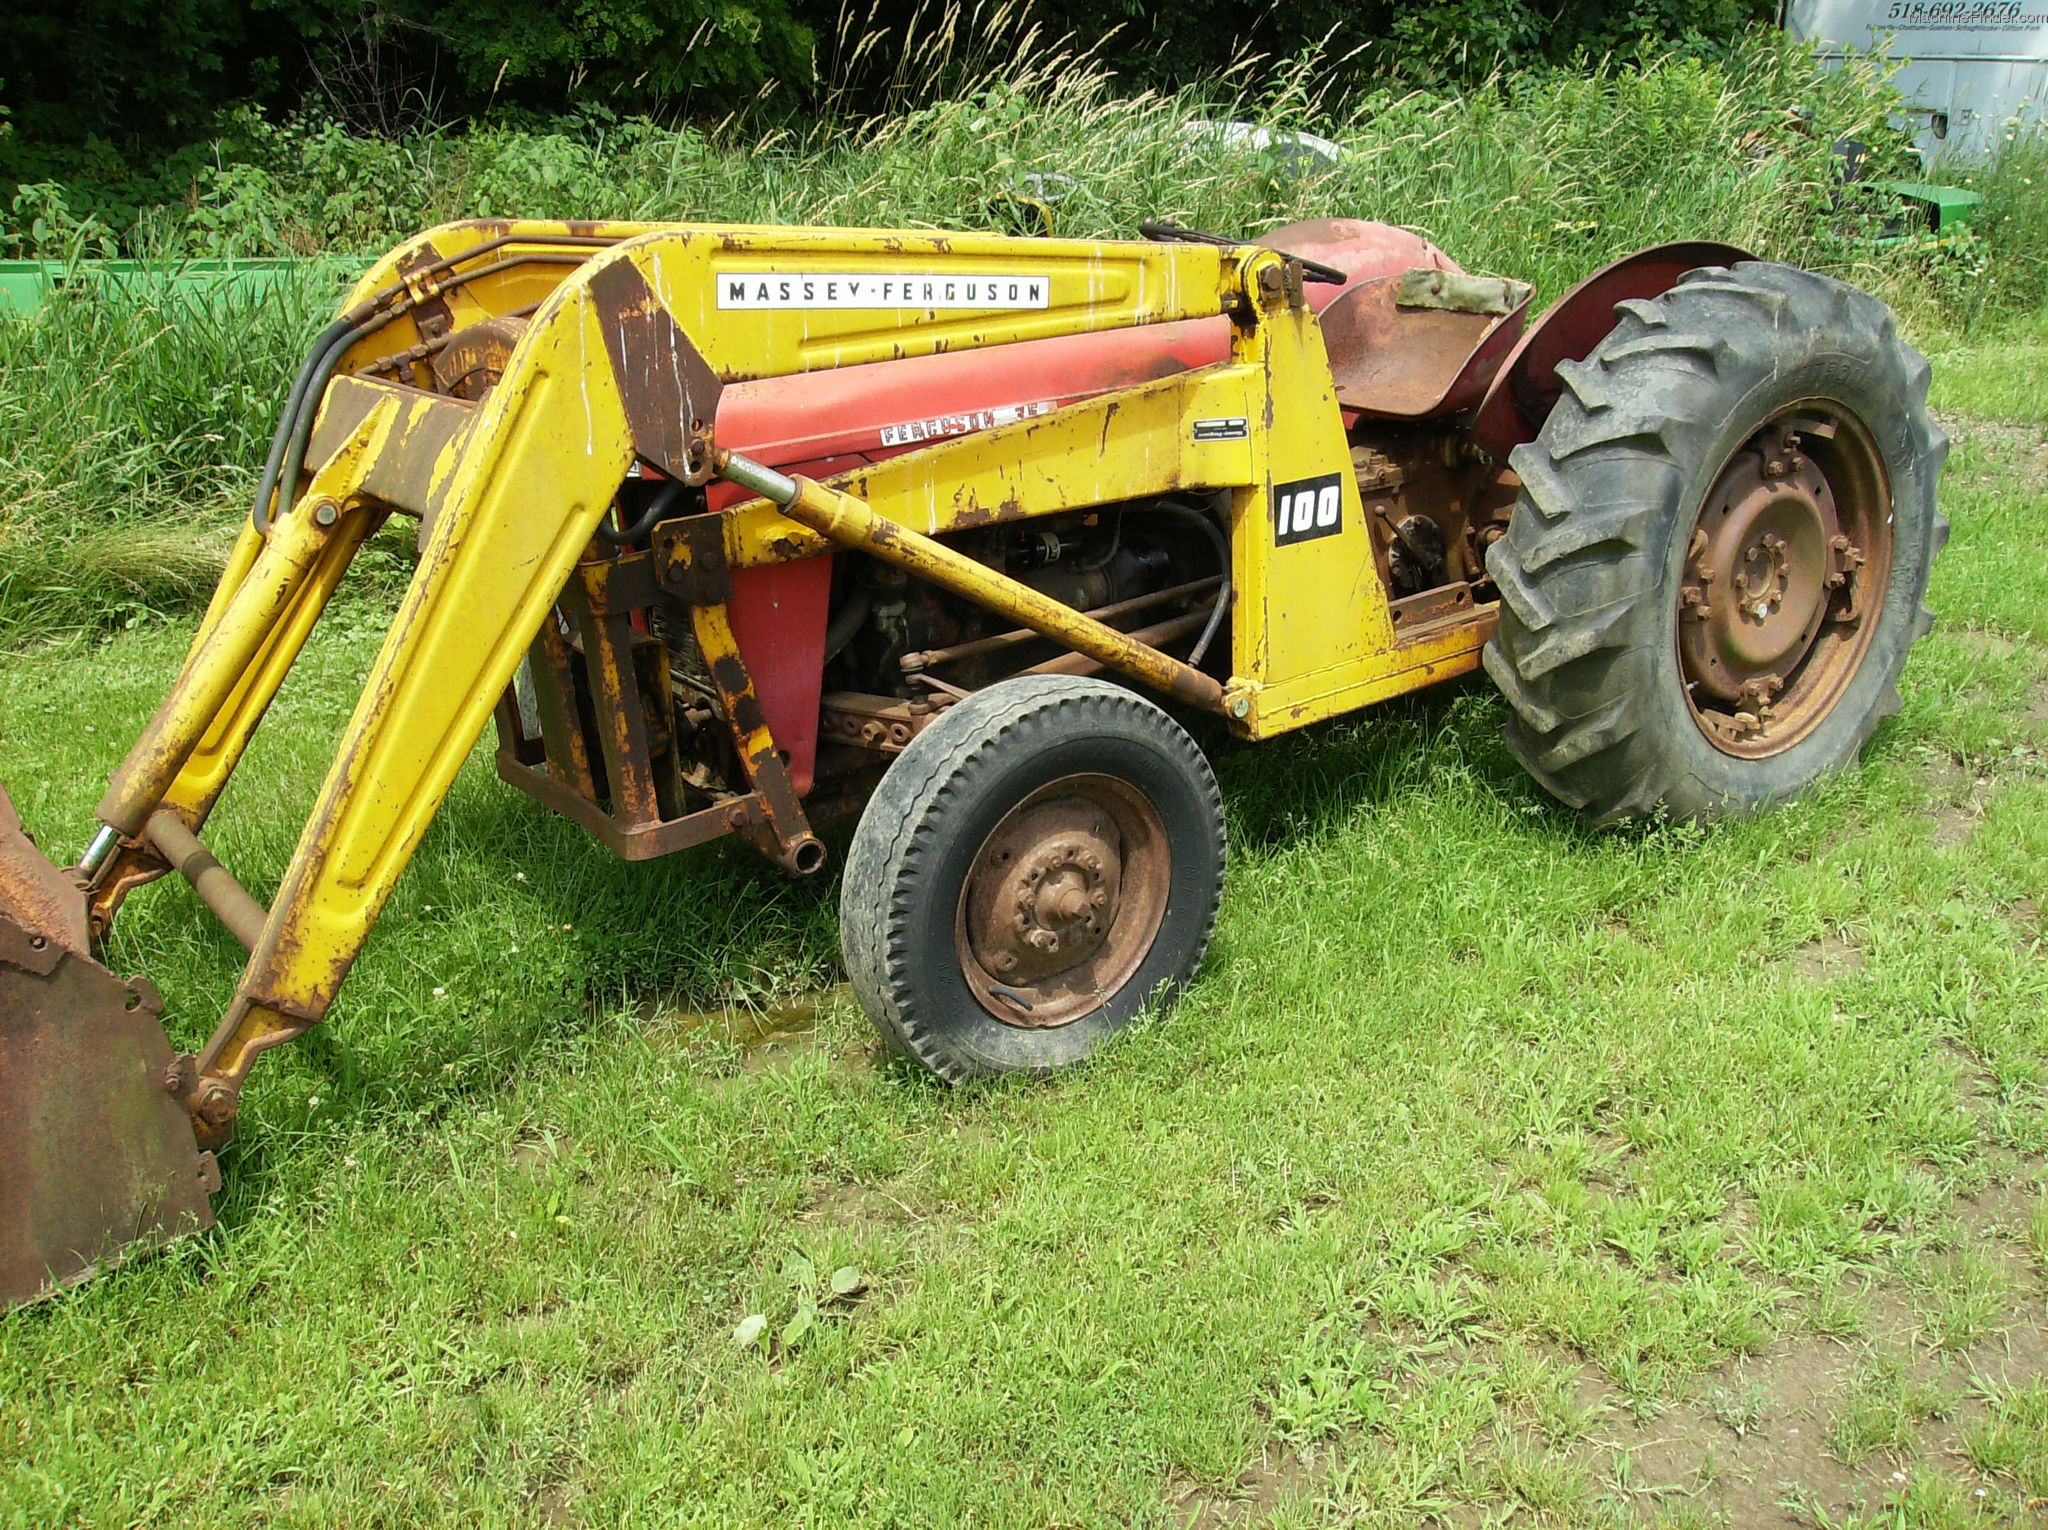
(912, 431)
(880, 289)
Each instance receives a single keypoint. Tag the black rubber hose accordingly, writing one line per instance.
(846, 624)
(309, 410)
(1116, 540)
(287, 419)
(657, 507)
(1223, 593)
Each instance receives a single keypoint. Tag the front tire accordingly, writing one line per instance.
(1036, 868)
(1716, 564)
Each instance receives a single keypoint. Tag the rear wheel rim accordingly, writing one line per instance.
(1063, 901)
(1784, 579)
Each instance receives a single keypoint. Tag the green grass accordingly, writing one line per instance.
(1478, 1131)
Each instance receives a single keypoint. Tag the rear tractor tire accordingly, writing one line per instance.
(1038, 867)
(1716, 564)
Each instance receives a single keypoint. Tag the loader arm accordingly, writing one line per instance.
(622, 360)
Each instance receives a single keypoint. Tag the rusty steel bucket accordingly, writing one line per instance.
(97, 1158)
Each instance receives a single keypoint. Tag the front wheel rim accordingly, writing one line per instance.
(1783, 583)
(1063, 901)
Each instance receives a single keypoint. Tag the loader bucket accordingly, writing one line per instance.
(97, 1157)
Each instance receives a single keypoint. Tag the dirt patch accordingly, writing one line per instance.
(1278, 1475)
(2005, 439)
(537, 1151)
(1750, 1444)
(862, 1208)
(1999, 1213)
(1982, 641)
(1958, 803)
(742, 1040)
(1829, 956)
(556, 1505)
(2026, 913)
(1889, 1385)
(1784, 1438)
(1953, 825)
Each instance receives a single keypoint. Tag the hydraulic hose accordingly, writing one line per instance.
(657, 507)
(280, 482)
(846, 624)
(288, 418)
(1223, 593)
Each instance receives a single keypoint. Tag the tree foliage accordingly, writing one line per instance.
(145, 76)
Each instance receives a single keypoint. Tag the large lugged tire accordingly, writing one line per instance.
(1717, 561)
(1038, 866)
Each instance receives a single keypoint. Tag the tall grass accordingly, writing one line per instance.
(130, 419)
(130, 416)
(1549, 169)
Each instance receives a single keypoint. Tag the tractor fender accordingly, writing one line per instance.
(1520, 397)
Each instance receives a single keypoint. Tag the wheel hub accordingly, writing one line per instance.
(1757, 572)
(1769, 608)
(1058, 869)
(1062, 901)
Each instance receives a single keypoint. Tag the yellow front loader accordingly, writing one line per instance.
(733, 529)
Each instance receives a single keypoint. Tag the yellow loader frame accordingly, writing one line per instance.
(632, 331)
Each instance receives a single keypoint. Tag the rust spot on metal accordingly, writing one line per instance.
(97, 1159)
(609, 586)
(882, 724)
(217, 889)
(554, 693)
(46, 905)
(690, 557)
(431, 316)
(400, 473)
(620, 713)
(786, 835)
(1526, 385)
(1408, 362)
(474, 358)
(669, 392)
